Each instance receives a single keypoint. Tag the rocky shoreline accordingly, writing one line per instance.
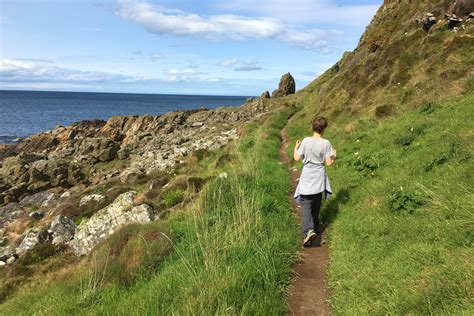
(49, 181)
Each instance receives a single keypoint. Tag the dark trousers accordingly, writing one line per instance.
(310, 207)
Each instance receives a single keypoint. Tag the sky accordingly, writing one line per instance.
(238, 47)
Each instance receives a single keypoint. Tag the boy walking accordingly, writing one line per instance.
(315, 152)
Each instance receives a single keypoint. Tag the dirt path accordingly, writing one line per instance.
(308, 293)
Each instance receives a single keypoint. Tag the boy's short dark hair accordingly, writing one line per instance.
(319, 124)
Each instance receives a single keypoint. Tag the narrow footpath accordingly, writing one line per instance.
(308, 293)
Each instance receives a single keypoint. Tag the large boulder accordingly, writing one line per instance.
(40, 199)
(62, 229)
(103, 223)
(286, 87)
(33, 237)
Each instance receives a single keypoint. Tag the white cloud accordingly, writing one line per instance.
(240, 65)
(25, 74)
(34, 70)
(137, 52)
(305, 11)
(182, 74)
(228, 62)
(162, 21)
(248, 65)
(248, 68)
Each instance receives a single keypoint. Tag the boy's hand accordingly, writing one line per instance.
(298, 143)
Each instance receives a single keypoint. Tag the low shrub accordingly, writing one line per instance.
(407, 138)
(365, 164)
(403, 200)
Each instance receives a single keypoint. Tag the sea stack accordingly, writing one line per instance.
(286, 87)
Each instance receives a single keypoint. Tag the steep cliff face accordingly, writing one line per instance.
(400, 61)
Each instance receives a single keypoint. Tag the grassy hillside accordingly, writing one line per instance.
(397, 64)
(401, 221)
(400, 111)
(228, 252)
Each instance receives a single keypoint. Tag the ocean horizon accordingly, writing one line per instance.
(25, 113)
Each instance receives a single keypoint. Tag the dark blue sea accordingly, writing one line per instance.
(24, 113)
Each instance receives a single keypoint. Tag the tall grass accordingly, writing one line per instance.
(229, 252)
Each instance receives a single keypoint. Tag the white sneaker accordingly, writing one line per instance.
(310, 236)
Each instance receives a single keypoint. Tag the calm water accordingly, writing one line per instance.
(23, 113)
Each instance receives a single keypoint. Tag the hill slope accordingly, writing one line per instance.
(400, 111)
(397, 63)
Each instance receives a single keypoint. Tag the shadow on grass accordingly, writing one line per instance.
(329, 213)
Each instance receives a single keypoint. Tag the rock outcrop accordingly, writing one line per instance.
(43, 177)
(286, 87)
(103, 223)
(265, 95)
(62, 230)
(33, 237)
(66, 156)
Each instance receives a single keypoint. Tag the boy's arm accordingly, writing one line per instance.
(331, 159)
(296, 156)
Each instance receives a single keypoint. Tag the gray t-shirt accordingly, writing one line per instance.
(315, 150)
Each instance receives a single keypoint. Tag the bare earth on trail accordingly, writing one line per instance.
(308, 293)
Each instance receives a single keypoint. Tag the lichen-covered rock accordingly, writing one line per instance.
(265, 95)
(62, 229)
(33, 237)
(39, 199)
(97, 198)
(103, 223)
